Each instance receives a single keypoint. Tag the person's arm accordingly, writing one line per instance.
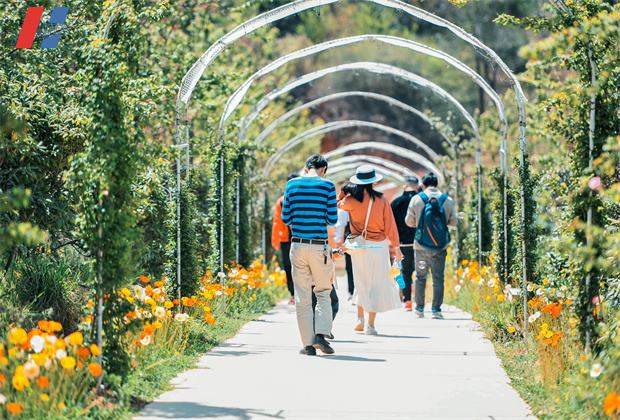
(448, 207)
(287, 216)
(277, 221)
(411, 219)
(391, 230)
(343, 219)
(331, 215)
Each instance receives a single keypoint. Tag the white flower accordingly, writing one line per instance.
(491, 283)
(596, 370)
(221, 275)
(457, 288)
(533, 317)
(181, 317)
(219, 292)
(60, 354)
(2, 399)
(37, 343)
(146, 340)
(147, 314)
(160, 312)
(540, 291)
(530, 287)
(244, 276)
(139, 292)
(52, 339)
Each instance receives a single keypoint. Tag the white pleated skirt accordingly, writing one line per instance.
(375, 290)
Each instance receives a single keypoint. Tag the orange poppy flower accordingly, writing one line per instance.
(68, 362)
(44, 325)
(95, 350)
(612, 403)
(2, 379)
(43, 382)
(18, 336)
(95, 369)
(76, 338)
(144, 279)
(82, 353)
(15, 408)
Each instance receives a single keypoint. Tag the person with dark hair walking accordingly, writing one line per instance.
(406, 234)
(430, 213)
(343, 229)
(281, 238)
(309, 207)
(371, 216)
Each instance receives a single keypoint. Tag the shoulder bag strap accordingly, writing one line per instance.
(367, 216)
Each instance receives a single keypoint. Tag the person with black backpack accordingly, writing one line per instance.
(431, 213)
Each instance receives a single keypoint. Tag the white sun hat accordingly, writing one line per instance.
(365, 174)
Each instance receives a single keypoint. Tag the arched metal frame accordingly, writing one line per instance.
(338, 125)
(371, 67)
(192, 77)
(340, 95)
(235, 99)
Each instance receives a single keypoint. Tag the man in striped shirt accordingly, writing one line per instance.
(309, 207)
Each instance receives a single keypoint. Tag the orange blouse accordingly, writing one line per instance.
(381, 223)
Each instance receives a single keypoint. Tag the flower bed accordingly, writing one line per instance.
(548, 365)
(46, 375)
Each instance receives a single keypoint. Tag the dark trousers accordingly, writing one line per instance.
(286, 261)
(436, 261)
(334, 298)
(408, 269)
(349, 267)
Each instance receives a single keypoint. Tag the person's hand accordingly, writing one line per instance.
(276, 247)
(398, 254)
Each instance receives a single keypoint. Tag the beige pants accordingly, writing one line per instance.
(309, 264)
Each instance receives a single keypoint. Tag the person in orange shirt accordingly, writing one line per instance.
(281, 238)
(375, 290)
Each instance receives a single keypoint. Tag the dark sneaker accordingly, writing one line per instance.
(437, 314)
(321, 343)
(308, 351)
(329, 336)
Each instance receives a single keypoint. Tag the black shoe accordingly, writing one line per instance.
(308, 351)
(322, 344)
(329, 336)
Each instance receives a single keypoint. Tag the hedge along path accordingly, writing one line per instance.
(192, 77)
(415, 368)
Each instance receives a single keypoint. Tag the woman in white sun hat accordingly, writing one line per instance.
(375, 290)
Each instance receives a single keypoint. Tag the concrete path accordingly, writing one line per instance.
(414, 369)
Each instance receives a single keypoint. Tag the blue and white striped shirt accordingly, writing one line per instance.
(309, 206)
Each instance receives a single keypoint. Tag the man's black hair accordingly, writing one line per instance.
(412, 181)
(430, 180)
(292, 175)
(316, 162)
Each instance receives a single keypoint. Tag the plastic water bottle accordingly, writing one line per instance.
(399, 277)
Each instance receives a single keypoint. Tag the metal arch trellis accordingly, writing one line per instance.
(235, 99)
(379, 68)
(371, 67)
(388, 99)
(338, 125)
(193, 75)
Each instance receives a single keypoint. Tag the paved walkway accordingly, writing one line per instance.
(414, 369)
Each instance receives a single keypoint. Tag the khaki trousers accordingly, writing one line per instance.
(309, 264)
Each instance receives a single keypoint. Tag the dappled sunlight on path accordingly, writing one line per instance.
(415, 368)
